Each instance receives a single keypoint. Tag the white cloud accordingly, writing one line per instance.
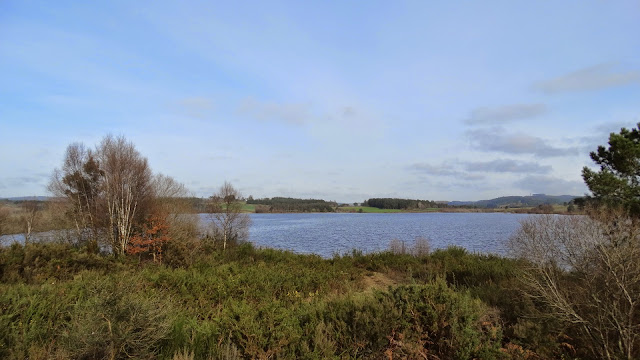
(436, 170)
(496, 139)
(198, 106)
(551, 185)
(592, 78)
(296, 114)
(502, 114)
(508, 166)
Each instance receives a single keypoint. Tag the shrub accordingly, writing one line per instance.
(116, 319)
(413, 321)
(37, 262)
(91, 317)
(584, 271)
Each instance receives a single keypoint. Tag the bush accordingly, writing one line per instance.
(30, 319)
(413, 321)
(584, 272)
(421, 247)
(116, 319)
(58, 301)
(37, 262)
(92, 317)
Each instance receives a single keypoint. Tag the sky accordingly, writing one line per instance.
(343, 101)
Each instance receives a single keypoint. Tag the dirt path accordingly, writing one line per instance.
(377, 281)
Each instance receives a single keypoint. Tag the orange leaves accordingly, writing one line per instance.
(153, 236)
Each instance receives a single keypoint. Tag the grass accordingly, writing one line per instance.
(367, 209)
(250, 208)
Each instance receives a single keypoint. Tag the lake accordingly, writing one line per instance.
(326, 234)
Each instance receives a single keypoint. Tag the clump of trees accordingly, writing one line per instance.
(402, 204)
(115, 199)
(285, 204)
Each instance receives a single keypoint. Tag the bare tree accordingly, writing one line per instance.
(230, 224)
(5, 213)
(585, 269)
(421, 247)
(126, 182)
(30, 213)
(172, 200)
(80, 182)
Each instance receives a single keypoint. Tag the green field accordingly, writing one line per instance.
(248, 208)
(366, 209)
(369, 209)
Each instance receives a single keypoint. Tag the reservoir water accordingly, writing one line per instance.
(327, 234)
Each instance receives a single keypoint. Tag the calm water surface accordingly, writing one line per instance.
(328, 233)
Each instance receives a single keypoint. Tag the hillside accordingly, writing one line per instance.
(517, 201)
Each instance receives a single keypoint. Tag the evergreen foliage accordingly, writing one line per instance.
(284, 204)
(618, 180)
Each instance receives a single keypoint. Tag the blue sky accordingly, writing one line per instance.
(335, 100)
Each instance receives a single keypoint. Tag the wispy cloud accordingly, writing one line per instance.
(592, 78)
(502, 114)
(198, 106)
(436, 170)
(496, 139)
(23, 181)
(551, 185)
(444, 169)
(508, 166)
(291, 113)
(599, 135)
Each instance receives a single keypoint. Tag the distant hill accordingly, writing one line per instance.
(517, 201)
(27, 198)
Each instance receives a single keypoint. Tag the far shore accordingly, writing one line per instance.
(557, 209)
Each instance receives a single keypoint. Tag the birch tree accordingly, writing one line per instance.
(230, 224)
(126, 182)
(30, 214)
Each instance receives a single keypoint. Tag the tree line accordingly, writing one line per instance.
(403, 204)
(286, 204)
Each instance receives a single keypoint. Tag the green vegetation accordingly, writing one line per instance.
(58, 301)
(284, 204)
(169, 292)
(250, 208)
(532, 201)
(536, 204)
(367, 209)
(618, 180)
(403, 204)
